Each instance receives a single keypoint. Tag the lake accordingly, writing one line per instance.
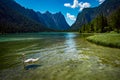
(62, 56)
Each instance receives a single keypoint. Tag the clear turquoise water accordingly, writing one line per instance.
(63, 56)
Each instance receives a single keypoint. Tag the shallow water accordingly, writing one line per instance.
(63, 56)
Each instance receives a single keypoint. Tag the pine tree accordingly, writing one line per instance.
(115, 20)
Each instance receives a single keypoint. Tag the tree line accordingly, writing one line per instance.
(102, 24)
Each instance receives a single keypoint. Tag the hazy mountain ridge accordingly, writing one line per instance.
(53, 21)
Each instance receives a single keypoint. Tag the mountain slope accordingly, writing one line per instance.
(12, 21)
(60, 21)
(89, 14)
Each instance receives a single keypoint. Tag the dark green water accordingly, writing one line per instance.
(63, 56)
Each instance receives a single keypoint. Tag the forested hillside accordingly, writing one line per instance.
(12, 21)
(103, 24)
(16, 19)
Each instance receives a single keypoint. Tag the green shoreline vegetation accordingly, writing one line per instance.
(107, 27)
(106, 39)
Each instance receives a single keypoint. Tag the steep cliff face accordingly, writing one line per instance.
(60, 21)
(89, 14)
(53, 21)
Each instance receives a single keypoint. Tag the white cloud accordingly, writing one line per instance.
(101, 1)
(84, 5)
(76, 4)
(67, 5)
(71, 17)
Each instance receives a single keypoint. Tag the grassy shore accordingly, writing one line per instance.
(106, 39)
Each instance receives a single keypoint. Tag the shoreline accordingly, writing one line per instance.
(107, 39)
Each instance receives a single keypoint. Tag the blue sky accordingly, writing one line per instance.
(69, 8)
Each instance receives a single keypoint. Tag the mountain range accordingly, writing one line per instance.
(15, 18)
(88, 14)
(53, 21)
